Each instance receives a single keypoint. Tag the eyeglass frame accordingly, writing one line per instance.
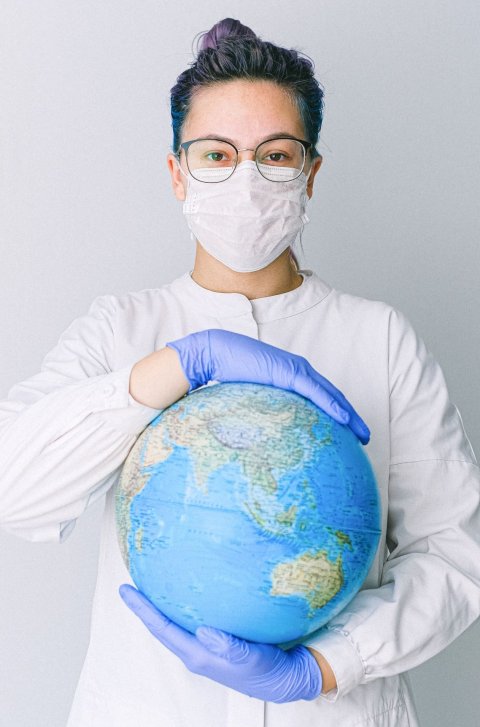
(307, 145)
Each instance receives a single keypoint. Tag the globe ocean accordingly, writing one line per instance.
(247, 508)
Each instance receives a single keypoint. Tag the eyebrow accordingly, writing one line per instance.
(266, 138)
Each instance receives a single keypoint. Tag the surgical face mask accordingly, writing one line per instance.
(246, 221)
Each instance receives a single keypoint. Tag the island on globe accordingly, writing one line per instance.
(247, 508)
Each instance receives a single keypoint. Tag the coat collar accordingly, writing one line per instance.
(272, 307)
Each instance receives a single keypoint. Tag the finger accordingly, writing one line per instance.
(355, 422)
(325, 401)
(340, 399)
(174, 637)
(154, 619)
(359, 428)
(223, 644)
(317, 393)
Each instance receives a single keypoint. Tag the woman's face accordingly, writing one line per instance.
(245, 113)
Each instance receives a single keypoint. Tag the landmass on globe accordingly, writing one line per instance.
(243, 497)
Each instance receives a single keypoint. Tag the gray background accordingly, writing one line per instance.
(87, 209)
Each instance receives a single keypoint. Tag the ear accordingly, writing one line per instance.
(316, 164)
(178, 179)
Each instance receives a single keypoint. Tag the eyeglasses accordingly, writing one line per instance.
(214, 160)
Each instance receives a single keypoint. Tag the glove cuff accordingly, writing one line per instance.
(194, 354)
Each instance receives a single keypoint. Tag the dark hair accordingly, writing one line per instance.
(230, 50)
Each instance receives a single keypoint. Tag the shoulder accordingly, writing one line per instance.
(361, 313)
(376, 328)
(132, 303)
(388, 332)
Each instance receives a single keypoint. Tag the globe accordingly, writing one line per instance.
(247, 508)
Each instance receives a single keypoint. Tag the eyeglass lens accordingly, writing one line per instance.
(278, 160)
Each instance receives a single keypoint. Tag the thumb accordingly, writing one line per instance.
(223, 644)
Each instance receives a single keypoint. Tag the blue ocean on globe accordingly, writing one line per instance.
(247, 508)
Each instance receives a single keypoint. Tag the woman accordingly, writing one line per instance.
(246, 118)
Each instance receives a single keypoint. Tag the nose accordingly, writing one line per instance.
(242, 158)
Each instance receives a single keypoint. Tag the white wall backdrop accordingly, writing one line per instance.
(87, 209)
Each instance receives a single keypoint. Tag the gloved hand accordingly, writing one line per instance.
(218, 355)
(263, 671)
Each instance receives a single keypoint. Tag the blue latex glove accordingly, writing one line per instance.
(263, 671)
(218, 355)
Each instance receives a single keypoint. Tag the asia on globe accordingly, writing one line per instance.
(247, 508)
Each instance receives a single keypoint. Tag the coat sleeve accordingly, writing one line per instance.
(430, 586)
(66, 431)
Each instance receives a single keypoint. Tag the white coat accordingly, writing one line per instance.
(65, 432)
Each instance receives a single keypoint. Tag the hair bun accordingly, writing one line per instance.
(226, 28)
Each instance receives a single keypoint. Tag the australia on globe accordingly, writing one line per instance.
(247, 508)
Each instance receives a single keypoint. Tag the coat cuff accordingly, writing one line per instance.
(337, 647)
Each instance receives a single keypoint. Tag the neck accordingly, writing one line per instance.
(278, 277)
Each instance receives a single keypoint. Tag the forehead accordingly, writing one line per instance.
(243, 111)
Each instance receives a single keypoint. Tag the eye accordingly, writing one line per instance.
(211, 153)
(275, 156)
(282, 152)
(216, 156)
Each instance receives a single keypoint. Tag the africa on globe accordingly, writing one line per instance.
(247, 508)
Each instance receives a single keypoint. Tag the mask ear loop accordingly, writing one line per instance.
(187, 176)
(305, 219)
(180, 168)
(299, 240)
